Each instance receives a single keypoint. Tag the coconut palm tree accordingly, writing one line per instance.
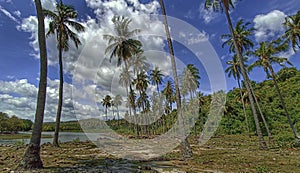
(185, 147)
(156, 77)
(31, 158)
(266, 54)
(106, 102)
(141, 84)
(139, 62)
(61, 20)
(190, 80)
(118, 102)
(234, 70)
(125, 81)
(168, 92)
(242, 33)
(220, 5)
(121, 45)
(292, 33)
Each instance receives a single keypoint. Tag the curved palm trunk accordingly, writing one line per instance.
(262, 143)
(283, 104)
(31, 158)
(262, 117)
(244, 107)
(60, 96)
(185, 146)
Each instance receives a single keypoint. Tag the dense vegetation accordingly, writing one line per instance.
(233, 121)
(13, 124)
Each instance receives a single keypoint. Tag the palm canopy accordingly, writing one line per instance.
(139, 62)
(141, 82)
(292, 33)
(267, 55)
(106, 101)
(242, 32)
(61, 21)
(234, 68)
(217, 5)
(156, 77)
(190, 79)
(121, 45)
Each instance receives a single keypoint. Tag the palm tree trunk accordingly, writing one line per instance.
(262, 117)
(31, 158)
(262, 143)
(185, 146)
(244, 108)
(60, 96)
(283, 104)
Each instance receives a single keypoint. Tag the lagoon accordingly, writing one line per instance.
(63, 137)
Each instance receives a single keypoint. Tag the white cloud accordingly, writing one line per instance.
(268, 25)
(17, 13)
(207, 15)
(8, 14)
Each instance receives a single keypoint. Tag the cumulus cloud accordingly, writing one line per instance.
(268, 25)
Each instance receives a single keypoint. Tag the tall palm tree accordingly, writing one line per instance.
(61, 21)
(266, 54)
(122, 45)
(190, 80)
(292, 33)
(106, 102)
(185, 148)
(156, 77)
(31, 158)
(220, 5)
(234, 70)
(118, 102)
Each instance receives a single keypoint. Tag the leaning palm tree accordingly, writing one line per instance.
(266, 54)
(185, 149)
(292, 33)
(106, 102)
(61, 21)
(219, 5)
(156, 77)
(31, 158)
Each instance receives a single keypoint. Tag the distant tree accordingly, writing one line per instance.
(190, 80)
(106, 102)
(118, 102)
(156, 77)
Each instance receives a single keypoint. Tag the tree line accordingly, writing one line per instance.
(13, 124)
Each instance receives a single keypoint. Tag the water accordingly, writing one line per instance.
(63, 137)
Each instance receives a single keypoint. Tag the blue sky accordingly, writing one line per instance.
(20, 63)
